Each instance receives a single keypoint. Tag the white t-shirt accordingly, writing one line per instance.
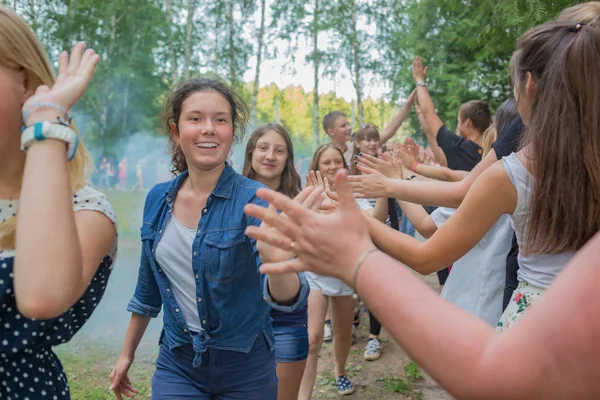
(476, 282)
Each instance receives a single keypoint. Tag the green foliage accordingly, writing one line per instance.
(413, 371)
(405, 388)
(147, 46)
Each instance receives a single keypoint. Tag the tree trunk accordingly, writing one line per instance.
(172, 55)
(261, 33)
(355, 51)
(277, 111)
(232, 77)
(127, 84)
(352, 115)
(315, 36)
(111, 45)
(188, 38)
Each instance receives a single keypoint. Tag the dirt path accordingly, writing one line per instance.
(377, 379)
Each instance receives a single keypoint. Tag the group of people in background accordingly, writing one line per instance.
(248, 267)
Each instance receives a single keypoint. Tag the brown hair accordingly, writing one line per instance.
(174, 105)
(21, 50)
(563, 133)
(291, 184)
(314, 162)
(585, 13)
(478, 112)
(367, 132)
(330, 118)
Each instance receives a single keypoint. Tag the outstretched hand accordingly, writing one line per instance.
(74, 75)
(419, 73)
(330, 199)
(310, 198)
(325, 244)
(384, 164)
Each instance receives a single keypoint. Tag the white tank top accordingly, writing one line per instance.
(174, 255)
(537, 270)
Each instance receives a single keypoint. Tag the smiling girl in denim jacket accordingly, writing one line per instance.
(197, 262)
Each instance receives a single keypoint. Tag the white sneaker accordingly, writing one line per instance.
(373, 350)
(327, 332)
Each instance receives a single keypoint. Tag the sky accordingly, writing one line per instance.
(284, 72)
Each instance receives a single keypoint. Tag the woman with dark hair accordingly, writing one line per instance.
(217, 340)
(270, 160)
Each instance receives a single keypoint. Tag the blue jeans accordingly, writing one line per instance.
(291, 343)
(223, 375)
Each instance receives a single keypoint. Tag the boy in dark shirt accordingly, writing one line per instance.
(458, 152)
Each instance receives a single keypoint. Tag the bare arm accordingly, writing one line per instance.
(441, 194)
(417, 216)
(492, 196)
(479, 363)
(50, 278)
(390, 130)
(380, 211)
(441, 173)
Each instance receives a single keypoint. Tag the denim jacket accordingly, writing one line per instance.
(233, 297)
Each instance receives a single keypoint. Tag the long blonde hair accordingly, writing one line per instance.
(21, 50)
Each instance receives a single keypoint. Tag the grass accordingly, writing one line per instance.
(129, 206)
(403, 387)
(413, 371)
(88, 369)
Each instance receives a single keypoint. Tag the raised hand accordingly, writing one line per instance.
(311, 198)
(319, 241)
(419, 73)
(330, 200)
(74, 75)
(367, 164)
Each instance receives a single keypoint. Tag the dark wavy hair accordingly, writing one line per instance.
(291, 184)
(174, 104)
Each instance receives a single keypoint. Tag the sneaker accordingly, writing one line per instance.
(327, 333)
(373, 350)
(344, 386)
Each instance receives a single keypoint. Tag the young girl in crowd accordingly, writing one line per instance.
(326, 161)
(557, 85)
(47, 292)
(196, 261)
(269, 159)
(366, 141)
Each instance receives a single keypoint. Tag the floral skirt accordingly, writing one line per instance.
(523, 297)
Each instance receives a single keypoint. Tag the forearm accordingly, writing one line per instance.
(390, 130)
(433, 193)
(135, 332)
(400, 246)
(438, 153)
(425, 102)
(418, 217)
(284, 288)
(48, 262)
(380, 211)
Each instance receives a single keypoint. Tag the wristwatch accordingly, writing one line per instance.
(421, 83)
(47, 130)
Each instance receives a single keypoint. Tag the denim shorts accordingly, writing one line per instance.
(229, 375)
(291, 343)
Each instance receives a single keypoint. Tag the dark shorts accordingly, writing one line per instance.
(291, 343)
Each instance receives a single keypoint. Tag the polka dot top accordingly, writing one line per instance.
(28, 367)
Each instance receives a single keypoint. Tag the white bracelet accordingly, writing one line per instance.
(47, 130)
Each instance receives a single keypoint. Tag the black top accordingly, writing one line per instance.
(508, 142)
(462, 154)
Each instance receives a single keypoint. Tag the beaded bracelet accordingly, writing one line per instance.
(54, 106)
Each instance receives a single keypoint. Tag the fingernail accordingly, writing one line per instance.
(360, 154)
(355, 157)
(356, 162)
(383, 150)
